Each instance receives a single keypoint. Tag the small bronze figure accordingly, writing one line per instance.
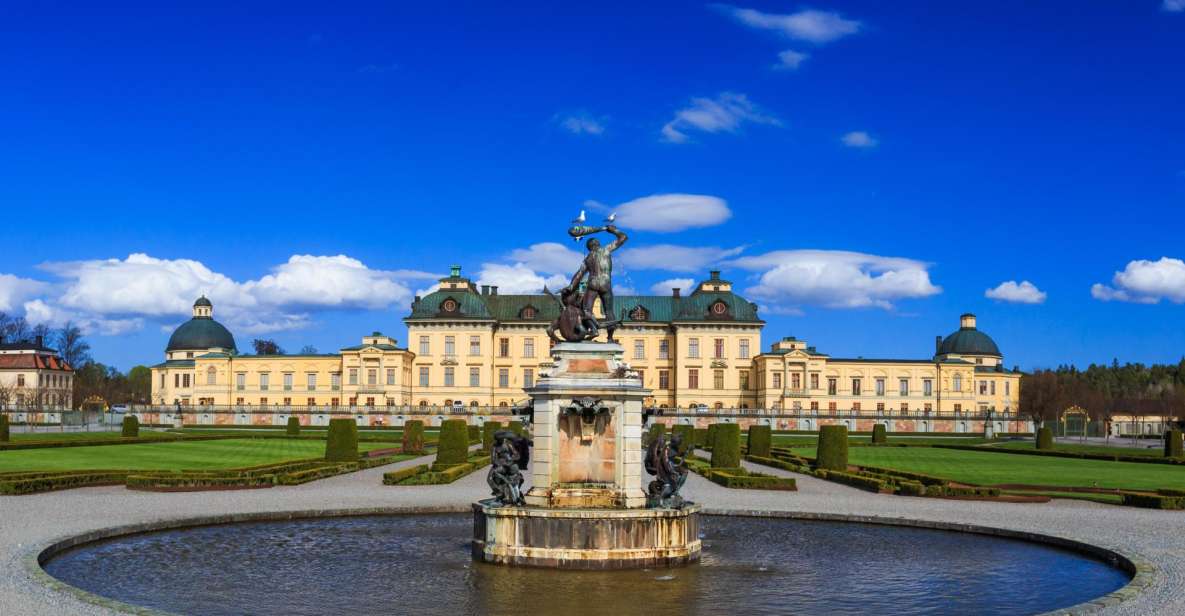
(666, 461)
(509, 457)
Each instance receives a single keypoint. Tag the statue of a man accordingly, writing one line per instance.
(598, 267)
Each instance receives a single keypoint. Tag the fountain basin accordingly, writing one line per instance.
(585, 538)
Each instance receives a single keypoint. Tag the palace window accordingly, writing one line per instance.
(239, 401)
(993, 387)
(795, 380)
(185, 380)
(528, 347)
(264, 381)
(450, 346)
(958, 408)
(504, 347)
(211, 376)
(664, 379)
(287, 381)
(503, 377)
(450, 375)
(353, 376)
(240, 381)
(718, 348)
(855, 387)
(856, 406)
(744, 379)
(475, 345)
(335, 402)
(832, 386)
(263, 402)
(903, 387)
(639, 349)
(425, 345)
(475, 377)
(814, 406)
(957, 382)
(528, 377)
(927, 387)
(664, 349)
(777, 380)
(904, 407)
(983, 388)
(693, 348)
(641, 376)
(814, 381)
(1007, 388)
(744, 350)
(880, 407)
(310, 402)
(831, 406)
(928, 407)
(424, 376)
(390, 376)
(287, 401)
(880, 387)
(718, 379)
(693, 378)
(311, 381)
(335, 381)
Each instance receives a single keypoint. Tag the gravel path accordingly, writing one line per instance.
(30, 523)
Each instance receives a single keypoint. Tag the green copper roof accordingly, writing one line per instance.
(969, 341)
(175, 363)
(431, 306)
(202, 301)
(698, 307)
(201, 333)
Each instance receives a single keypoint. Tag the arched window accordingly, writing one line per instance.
(502, 404)
(211, 376)
(423, 404)
(719, 406)
(473, 404)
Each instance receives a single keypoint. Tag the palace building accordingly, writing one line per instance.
(473, 347)
(36, 384)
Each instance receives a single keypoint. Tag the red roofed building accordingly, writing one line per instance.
(34, 381)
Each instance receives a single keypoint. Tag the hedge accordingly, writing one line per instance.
(413, 436)
(61, 481)
(452, 447)
(131, 426)
(1173, 446)
(760, 441)
(686, 434)
(871, 484)
(700, 437)
(1045, 439)
(474, 435)
(911, 488)
(1062, 454)
(4, 436)
(777, 463)
(710, 436)
(181, 482)
(487, 435)
(293, 427)
(833, 448)
(516, 427)
(656, 430)
(435, 475)
(726, 448)
(1153, 501)
(342, 443)
(879, 435)
(737, 478)
(395, 477)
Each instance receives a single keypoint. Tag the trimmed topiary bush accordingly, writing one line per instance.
(686, 435)
(833, 448)
(474, 434)
(656, 430)
(726, 449)
(701, 437)
(1045, 438)
(293, 428)
(131, 427)
(710, 438)
(487, 435)
(1173, 446)
(760, 440)
(453, 444)
(515, 427)
(341, 445)
(879, 435)
(4, 436)
(413, 436)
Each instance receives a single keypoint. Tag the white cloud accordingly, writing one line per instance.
(517, 278)
(15, 290)
(548, 257)
(1173, 6)
(1145, 282)
(858, 139)
(1023, 292)
(672, 212)
(582, 124)
(725, 113)
(327, 282)
(624, 290)
(791, 59)
(806, 25)
(664, 287)
(836, 279)
(39, 312)
(674, 258)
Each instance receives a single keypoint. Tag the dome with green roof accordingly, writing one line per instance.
(202, 331)
(968, 340)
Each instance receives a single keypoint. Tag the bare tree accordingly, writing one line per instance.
(71, 345)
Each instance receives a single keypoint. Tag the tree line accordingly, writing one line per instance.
(1104, 391)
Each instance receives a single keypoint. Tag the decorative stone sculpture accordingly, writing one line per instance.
(666, 462)
(509, 458)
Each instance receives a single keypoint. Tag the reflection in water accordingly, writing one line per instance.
(420, 564)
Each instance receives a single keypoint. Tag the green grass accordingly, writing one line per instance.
(987, 468)
(1156, 452)
(394, 436)
(18, 437)
(803, 440)
(179, 455)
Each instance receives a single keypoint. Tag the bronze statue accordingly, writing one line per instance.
(509, 457)
(576, 321)
(665, 460)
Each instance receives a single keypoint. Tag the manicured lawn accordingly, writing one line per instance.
(85, 436)
(986, 468)
(1157, 451)
(799, 440)
(394, 436)
(180, 455)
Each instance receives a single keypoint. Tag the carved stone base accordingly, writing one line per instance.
(585, 538)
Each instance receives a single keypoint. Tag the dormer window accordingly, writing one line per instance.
(639, 314)
(449, 305)
(718, 309)
(528, 312)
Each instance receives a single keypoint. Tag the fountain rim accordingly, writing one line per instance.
(1143, 573)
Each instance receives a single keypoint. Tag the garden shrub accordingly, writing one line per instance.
(856, 481)
(131, 427)
(726, 449)
(413, 436)
(4, 436)
(785, 465)
(701, 437)
(656, 430)
(341, 445)
(516, 427)
(710, 437)
(1170, 492)
(1153, 501)
(487, 435)
(453, 445)
(686, 435)
(879, 435)
(474, 434)
(739, 479)
(911, 488)
(60, 481)
(833, 448)
(293, 428)
(1045, 438)
(1173, 446)
(760, 440)
(396, 477)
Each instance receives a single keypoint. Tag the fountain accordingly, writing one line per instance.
(586, 508)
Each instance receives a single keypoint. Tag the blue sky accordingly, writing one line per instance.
(865, 171)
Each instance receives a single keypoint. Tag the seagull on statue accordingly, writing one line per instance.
(611, 218)
(580, 218)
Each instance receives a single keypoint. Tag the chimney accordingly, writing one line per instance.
(485, 289)
(675, 292)
(967, 321)
(493, 289)
(714, 274)
(937, 344)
